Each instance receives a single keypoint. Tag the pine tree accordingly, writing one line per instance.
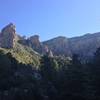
(75, 80)
(94, 74)
(48, 67)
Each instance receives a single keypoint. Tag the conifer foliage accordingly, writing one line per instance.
(56, 79)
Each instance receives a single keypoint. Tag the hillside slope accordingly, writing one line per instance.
(24, 54)
(9, 42)
(85, 45)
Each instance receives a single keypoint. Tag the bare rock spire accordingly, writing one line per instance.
(47, 51)
(7, 36)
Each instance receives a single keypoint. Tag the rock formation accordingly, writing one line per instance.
(47, 51)
(7, 36)
(35, 40)
(84, 46)
(35, 43)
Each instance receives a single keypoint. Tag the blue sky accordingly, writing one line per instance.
(51, 18)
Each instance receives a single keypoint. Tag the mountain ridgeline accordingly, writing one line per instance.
(34, 70)
(84, 46)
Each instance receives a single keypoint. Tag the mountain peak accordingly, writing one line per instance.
(9, 26)
(35, 40)
(61, 37)
(7, 36)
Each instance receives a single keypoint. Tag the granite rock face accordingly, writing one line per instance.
(47, 51)
(85, 46)
(34, 40)
(7, 36)
(59, 46)
(35, 43)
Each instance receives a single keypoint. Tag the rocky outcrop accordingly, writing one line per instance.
(35, 43)
(84, 46)
(59, 46)
(47, 51)
(34, 40)
(7, 36)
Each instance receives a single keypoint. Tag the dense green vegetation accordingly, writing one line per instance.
(55, 79)
(24, 54)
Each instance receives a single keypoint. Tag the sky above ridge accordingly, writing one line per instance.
(51, 18)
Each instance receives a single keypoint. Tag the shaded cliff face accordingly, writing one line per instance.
(35, 43)
(84, 46)
(7, 36)
(59, 46)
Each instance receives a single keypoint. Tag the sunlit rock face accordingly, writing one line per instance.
(7, 36)
(35, 43)
(85, 46)
(59, 46)
(47, 51)
(35, 40)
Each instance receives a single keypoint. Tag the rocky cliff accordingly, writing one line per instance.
(35, 43)
(7, 36)
(84, 46)
(9, 42)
